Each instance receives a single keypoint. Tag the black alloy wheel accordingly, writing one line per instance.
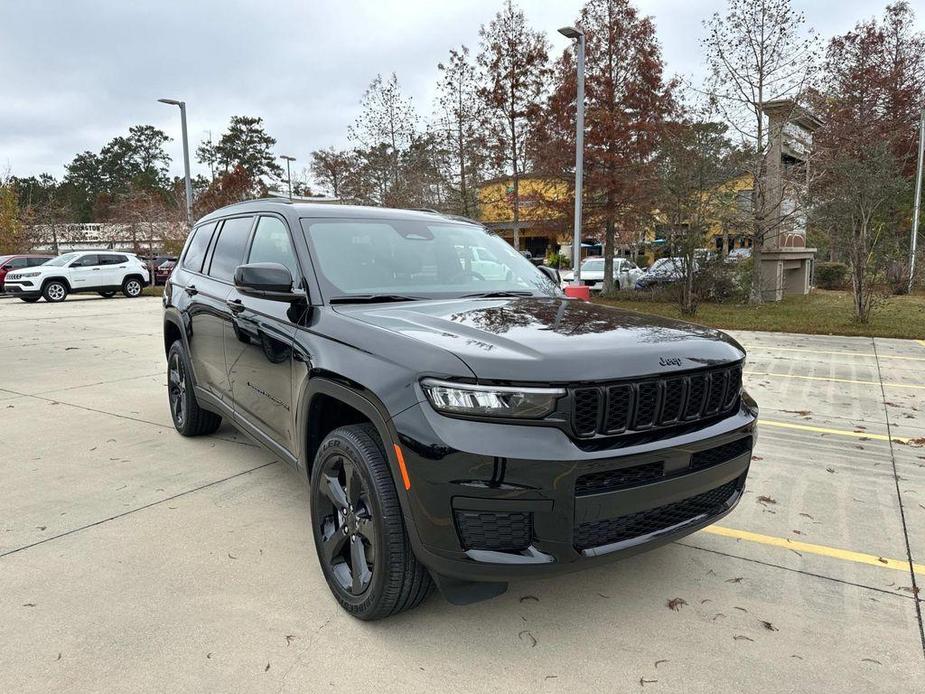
(176, 388)
(363, 547)
(188, 417)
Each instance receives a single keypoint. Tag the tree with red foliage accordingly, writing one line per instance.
(870, 96)
(627, 102)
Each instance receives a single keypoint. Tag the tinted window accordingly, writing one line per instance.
(229, 249)
(88, 260)
(112, 259)
(19, 262)
(272, 244)
(196, 250)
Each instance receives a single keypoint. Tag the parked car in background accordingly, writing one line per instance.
(663, 271)
(625, 273)
(103, 272)
(8, 263)
(162, 271)
(738, 255)
(153, 262)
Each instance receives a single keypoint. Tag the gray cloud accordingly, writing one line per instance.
(76, 74)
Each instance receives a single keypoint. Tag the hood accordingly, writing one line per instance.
(552, 340)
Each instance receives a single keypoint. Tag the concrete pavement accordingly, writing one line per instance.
(132, 559)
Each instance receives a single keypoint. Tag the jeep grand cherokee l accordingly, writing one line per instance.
(456, 430)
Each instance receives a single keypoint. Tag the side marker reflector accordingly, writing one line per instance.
(401, 466)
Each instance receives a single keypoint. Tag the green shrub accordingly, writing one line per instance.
(831, 275)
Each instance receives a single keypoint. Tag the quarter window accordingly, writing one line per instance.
(229, 249)
(196, 250)
(272, 244)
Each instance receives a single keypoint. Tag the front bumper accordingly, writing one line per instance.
(498, 502)
(21, 288)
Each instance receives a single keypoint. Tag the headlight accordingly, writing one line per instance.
(491, 401)
(22, 275)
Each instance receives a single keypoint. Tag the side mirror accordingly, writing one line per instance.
(551, 273)
(266, 281)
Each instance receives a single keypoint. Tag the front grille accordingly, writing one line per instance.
(610, 480)
(720, 454)
(655, 403)
(500, 532)
(633, 525)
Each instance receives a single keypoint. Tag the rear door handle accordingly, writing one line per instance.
(236, 305)
(191, 290)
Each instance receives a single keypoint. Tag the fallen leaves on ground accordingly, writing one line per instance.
(764, 499)
(676, 604)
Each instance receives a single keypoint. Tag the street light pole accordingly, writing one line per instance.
(189, 182)
(576, 34)
(288, 174)
(918, 197)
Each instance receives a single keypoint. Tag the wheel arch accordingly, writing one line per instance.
(327, 405)
(59, 278)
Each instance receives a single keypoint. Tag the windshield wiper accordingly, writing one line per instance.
(496, 295)
(371, 298)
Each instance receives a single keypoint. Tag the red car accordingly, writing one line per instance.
(17, 262)
(162, 271)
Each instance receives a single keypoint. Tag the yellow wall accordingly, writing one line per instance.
(536, 194)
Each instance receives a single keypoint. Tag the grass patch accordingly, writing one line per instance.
(151, 290)
(819, 313)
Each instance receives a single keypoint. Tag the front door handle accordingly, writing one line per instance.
(191, 290)
(236, 305)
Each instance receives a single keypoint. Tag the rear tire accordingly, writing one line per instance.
(360, 535)
(188, 417)
(29, 299)
(54, 291)
(131, 287)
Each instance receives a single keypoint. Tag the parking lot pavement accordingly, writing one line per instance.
(132, 559)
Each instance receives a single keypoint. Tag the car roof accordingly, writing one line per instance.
(328, 211)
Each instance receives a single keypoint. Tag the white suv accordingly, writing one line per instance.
(103, 272)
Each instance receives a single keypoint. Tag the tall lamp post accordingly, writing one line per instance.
(579, 36)
(918, 198)
(189, 182)
(288, 174)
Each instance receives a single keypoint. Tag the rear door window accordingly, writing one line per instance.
(229, 249)
(198, 245)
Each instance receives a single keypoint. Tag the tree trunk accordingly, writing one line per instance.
(608, 256)
(516, 208)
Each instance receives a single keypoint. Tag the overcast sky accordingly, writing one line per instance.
(76, 73)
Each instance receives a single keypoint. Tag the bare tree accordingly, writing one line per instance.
(757, 52)
(458, 129)
(514, 63)
(331, 167)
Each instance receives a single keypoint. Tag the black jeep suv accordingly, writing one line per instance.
(460, 422)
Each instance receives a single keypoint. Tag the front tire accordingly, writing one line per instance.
(188, 417)
(55, 291)
(131, 287)
(360, 536)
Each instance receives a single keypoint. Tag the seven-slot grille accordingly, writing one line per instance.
(654, 403)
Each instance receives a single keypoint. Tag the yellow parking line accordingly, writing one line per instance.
(773, 349)
(825, 430)
(834, 380)
(821, 550)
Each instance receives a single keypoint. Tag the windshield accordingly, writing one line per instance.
(418, 260)
(594, 265)
(62, 259)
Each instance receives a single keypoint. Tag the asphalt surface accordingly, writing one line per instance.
(132, 559)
